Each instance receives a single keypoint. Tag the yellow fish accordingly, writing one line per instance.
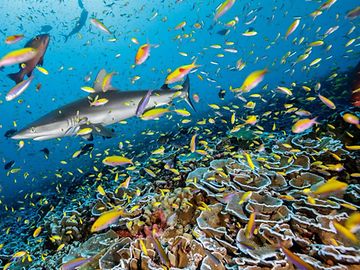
(345, 232)
(154, 113)
(252, 80)
(193, 143)
(106, 219)
(179, 73)
(116, 161)
(332, 185)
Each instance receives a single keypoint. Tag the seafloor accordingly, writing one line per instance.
(182, 210)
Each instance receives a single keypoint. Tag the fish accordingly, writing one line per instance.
(327, 102)
(154, 113)
(106, 219)
(162, 254)
(45, 28)
(8, 165)
(106, 83)
(75, 263)
(37, 232)
(303, 124)
(351, 119)
(331, 186)
(223, 8)
(345, 232)
(327, 4)
(245, 197)
(284, 90)
(69, 119)
(87, 148)
(180, 72)
(193, 143)
(143, 103)
(354, 13)
(18, 56)
(353, 222)
(100, 25)
(142, 54)
(180, 26)
(18, 89)
(292, 28)
(79, 24)
(116, 161)
(223, 32)
(13, 39)
(296, 260)
(38, 43)
(46, 152)
(249, 161)
(250, 227)
(251, 81)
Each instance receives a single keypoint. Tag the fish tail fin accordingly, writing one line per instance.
(16, 77)
(316, 121)
(186, 91)
(194, 63)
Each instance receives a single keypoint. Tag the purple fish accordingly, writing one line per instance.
(75, 263)
(143, 103)
(18, 89)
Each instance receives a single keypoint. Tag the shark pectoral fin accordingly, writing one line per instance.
(88, 137)
(103, 131)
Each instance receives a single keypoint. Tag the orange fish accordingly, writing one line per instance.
(142, 54)
(180, 73)
(13, 39)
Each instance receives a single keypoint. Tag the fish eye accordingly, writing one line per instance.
(37, 38)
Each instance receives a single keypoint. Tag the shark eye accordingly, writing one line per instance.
(32, 130)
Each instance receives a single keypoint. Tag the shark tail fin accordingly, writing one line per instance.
(99, 80)
(16, 77)
(186, 92)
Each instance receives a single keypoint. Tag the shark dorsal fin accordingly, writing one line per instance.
(99, 80)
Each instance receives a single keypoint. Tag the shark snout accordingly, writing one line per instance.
(22, 134)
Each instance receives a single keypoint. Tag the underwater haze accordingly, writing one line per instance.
(182, 134)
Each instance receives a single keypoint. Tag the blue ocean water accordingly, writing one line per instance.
(83, 54)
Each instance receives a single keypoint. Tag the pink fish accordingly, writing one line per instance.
(223, 8)
(303, 124)
(292, 28)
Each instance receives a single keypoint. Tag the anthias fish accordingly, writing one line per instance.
(40, 44)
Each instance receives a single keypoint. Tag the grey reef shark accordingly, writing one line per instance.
(68, 120)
